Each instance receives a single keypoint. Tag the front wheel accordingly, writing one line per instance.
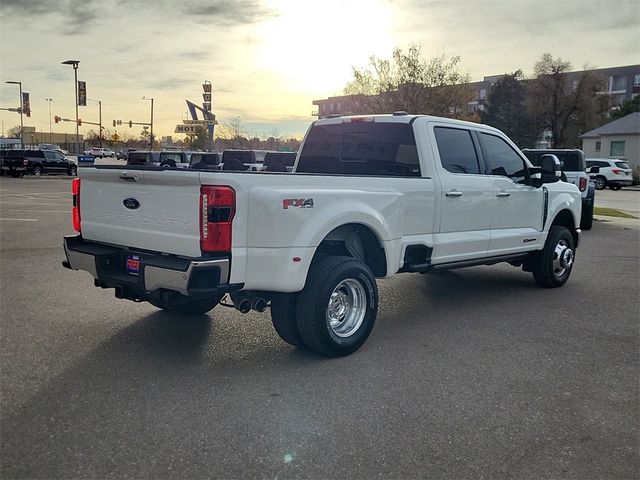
(37, 171)
(73, 171)
(600, 183)
(552, 266)
(337, 308)
(615, 188)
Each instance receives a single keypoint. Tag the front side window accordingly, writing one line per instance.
(616, 148)
(361, 148)
(501, 158)
(457, 152)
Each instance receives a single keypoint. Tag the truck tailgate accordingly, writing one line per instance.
(150, 210)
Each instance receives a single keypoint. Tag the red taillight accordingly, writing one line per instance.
(75, 190)
(217, 208)
(616, 171)
(583, 184)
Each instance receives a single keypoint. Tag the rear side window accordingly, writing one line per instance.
(457, 152)
(501, 158)
(622, 164)
(245, 156)
(135, 158)
(285, 158)
(175, 156)
(361, 148)
(571, 161)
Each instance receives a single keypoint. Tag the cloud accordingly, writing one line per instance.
(228, 12)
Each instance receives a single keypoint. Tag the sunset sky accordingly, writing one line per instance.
(269, 59)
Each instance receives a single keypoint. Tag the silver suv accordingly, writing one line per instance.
(574, 169)
(613, 173)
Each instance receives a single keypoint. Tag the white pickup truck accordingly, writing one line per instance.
(369, 197)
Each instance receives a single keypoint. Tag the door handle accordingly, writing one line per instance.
(503, 194)
(453, 193)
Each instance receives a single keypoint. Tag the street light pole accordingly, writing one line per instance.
(151, 134)
(21, 122)
(49, 100)
(99, 102)
(75, 63)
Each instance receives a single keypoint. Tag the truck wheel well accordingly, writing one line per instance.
(357, 241)
(565, 219)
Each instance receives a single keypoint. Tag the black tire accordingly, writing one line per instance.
(168, 163)
(346, 278)
(600, 182)
(283, 317)
(189, 308)
(615, 187)
(586, 221)
(37, 170)
(552, 266)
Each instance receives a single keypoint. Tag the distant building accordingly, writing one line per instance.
(617, 139)
(32, 138)
(621, 83)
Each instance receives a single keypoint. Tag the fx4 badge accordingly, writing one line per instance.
(297, 203)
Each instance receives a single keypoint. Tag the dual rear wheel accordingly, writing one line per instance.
(335, 312)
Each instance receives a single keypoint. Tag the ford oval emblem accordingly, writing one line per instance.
(131, 203)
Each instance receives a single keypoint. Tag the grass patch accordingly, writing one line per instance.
(611, 212)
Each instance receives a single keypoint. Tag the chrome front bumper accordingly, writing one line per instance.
(190, 277)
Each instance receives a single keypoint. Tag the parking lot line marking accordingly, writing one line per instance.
(20, 219)
(40, 211)
(32, 203)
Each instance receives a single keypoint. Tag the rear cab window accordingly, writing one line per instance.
(457, 151)
(361, 148)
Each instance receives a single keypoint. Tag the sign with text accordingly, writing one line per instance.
(188, 129)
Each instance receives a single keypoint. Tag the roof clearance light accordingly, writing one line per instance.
(359, 119)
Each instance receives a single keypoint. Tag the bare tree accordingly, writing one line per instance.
(412, 83)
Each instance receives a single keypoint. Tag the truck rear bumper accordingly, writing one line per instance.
(192, 277)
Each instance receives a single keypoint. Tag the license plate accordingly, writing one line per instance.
(133, 265)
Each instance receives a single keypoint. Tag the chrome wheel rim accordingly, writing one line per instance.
(346, 308)
(563, 258)
(37, 172)
(600, 183)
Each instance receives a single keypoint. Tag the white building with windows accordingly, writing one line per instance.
(617, 139)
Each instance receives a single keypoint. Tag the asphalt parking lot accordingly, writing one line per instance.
(474, 373)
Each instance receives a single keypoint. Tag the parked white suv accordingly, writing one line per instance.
(613, 173)
(100, 152)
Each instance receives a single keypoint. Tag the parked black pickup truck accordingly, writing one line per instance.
(17, 163)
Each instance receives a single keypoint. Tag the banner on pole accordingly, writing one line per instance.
(82, 93)
(26, 105)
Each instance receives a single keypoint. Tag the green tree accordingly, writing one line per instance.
(506, 110)
(628, 107)
(565, 104)
(410, 82)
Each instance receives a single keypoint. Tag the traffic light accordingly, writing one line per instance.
(56, 119)
(114, 123)
(130, 124)
(79, 121)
